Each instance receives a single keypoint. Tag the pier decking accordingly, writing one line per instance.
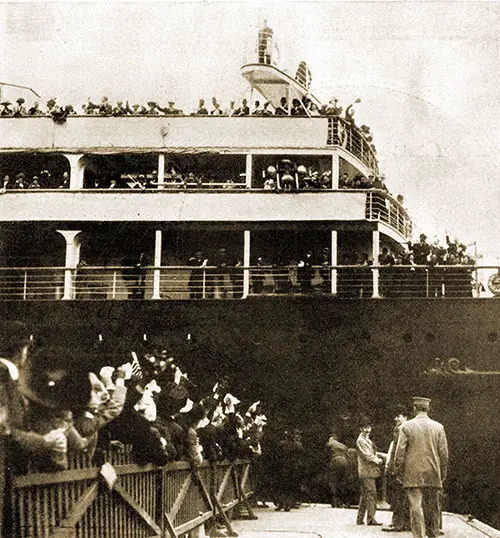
(322, 521)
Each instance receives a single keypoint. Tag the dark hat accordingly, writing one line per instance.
(53, 377)
(364, 422)
(20, 100)
(5, 103)
(419, 400)
(152, 103)
(13, 336)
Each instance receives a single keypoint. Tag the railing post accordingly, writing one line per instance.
(333, 261)
(25, 285)
(204, 284)
(248, 170)
(113, 289)
(246, 263)
(72, 260)
(427, 284)
(375, 257)
(161, 170)
(157, 262)
(335, 170)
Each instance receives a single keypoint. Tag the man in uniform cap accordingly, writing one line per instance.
(421, 462)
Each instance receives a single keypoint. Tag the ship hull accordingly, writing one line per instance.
(319, 363)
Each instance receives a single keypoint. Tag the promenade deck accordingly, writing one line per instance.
(322, 521)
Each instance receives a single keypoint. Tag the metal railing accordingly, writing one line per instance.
(383, 208)
(348, 136)
(210, 283)
(144, 501)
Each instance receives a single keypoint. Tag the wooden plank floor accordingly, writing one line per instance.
(322, 521)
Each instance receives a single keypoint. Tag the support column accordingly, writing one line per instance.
(333, 261)
(335, 170)
(72, 260)
(375, 257)
(76, 170)
(157, 264)
(246, 263)
(248, 171)
(161, 170)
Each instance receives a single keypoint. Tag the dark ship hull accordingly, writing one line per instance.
(319, 363)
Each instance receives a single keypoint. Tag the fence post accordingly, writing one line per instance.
(113, 289)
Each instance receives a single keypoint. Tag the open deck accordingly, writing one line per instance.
(320, 520)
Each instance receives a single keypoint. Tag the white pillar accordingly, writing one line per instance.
(76, 170)
(334, 261)
(246, 263)
(248, 171)
(335, 170)
(161, 170)
(72, 260)
(157, 264)
(375, 257)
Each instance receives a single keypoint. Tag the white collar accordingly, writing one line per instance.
(13, 369)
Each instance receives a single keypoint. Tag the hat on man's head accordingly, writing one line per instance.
(419, 400)
(13, 336)
(365, 422)
(53, 377)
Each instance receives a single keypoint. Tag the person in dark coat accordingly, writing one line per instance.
(306, 272)
(337, 471)
(197, 283)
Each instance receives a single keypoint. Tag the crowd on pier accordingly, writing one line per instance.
(54, 409)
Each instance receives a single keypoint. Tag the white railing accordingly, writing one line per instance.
(381, 207)
(209, 283)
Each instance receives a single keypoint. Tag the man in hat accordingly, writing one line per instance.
(421, 462)
(369, 469)
(15, 439)
(6, 110)
(20, 110)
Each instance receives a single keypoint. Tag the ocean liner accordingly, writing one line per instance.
(253, 243)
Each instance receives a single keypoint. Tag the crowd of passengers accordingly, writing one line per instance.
(147, 403)
(43, 180)
(304, 107)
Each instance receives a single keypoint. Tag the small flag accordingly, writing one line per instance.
(136, 366)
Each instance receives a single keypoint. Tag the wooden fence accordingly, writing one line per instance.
(126, 500)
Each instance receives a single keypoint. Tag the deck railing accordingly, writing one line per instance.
(383, 208)
(210, 282)
(133, 501)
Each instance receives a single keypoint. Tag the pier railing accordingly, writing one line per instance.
(210, 282)
(124, 500)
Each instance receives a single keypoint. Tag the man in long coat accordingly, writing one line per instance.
(421, 463)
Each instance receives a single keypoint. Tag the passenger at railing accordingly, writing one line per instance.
(218, 277)
(236, 278)
(333, 108)
(104, 108)
(265, 111)
(171, 110)
(290, 467)
(349, 112)
(192, 421)
(297, 108)
(7, 183)
(257, 109)
(20, 182)
(152, 110)
(201, 110)
(270, 180)
(35, 183)
(345, 182)
(365, 131)
(421, 250)
(258, 276)
(216, 110)
(134, 275)
(306, 272)
(230, 111)
(35, 110)
(119, 109)
(198, 278)
(20, 109)
(282, 110)
(244, 109)
(6, 110)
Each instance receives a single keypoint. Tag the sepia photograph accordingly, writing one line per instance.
(249, 269)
